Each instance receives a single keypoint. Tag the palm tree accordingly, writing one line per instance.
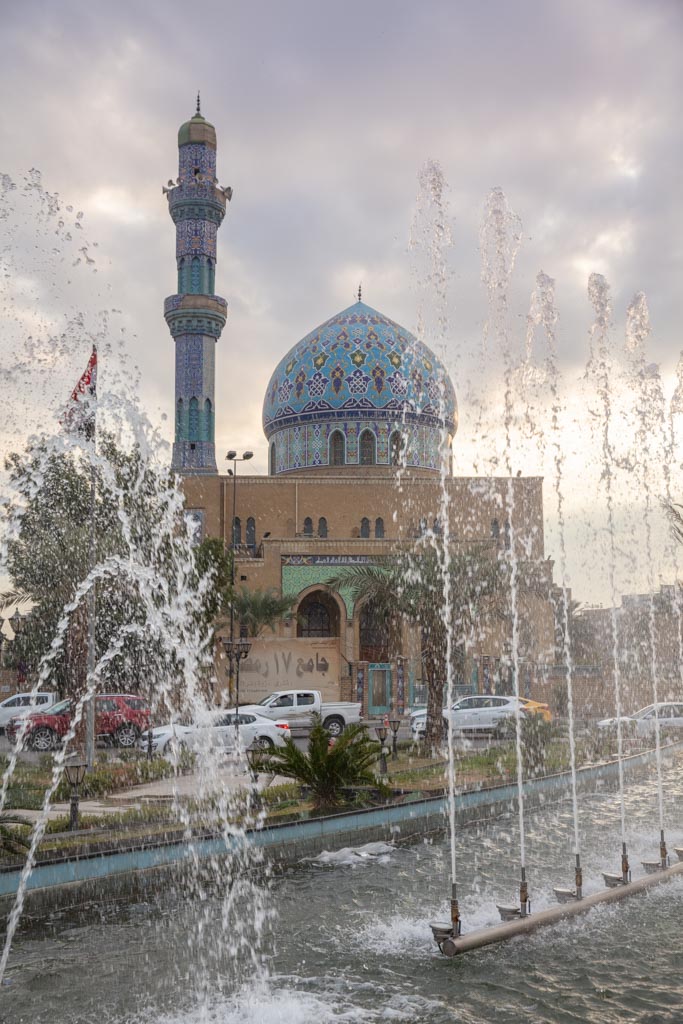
(259, 609)
(409, 586)
(327, 769)
(11, 841)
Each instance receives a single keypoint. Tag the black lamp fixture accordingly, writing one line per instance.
(254, 755)
(74, 770)
(381, 731)
(236, 650)
(17, 622)
(395, 724)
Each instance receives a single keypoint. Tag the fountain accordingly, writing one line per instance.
(191, 959)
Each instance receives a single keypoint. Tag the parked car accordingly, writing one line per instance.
(480, 713)
(119, 719)
(670, 716)
(535, 707)
(20, 704)
(217, 729)
(298, 707)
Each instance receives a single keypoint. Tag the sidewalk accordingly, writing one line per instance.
(196, 784)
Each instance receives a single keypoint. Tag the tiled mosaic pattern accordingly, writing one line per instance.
(359, 370)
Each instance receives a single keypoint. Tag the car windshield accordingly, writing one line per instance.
(266, 700)
(644, 712)
(61, 708)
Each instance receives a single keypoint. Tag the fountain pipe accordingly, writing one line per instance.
(452, 946)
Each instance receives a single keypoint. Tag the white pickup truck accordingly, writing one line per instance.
(298, 707)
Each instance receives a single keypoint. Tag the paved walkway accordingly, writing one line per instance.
(196, 784)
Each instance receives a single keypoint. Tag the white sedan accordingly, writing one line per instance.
(670, 717)
(481, 713)
(218, 730)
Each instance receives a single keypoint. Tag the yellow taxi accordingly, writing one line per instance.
(535, 707)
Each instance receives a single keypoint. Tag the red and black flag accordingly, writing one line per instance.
(81, 410)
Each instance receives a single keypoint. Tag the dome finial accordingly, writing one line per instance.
(360, 285)
(198, 112)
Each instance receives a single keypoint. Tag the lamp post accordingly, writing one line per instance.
(381, 731)
(75, 773)
(17, 622)
(236, 650)
(233, 457)
(254, 754)
(395, 724)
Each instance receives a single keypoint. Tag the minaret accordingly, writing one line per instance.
(195, 316)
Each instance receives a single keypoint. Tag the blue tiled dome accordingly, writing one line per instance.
(358, 366)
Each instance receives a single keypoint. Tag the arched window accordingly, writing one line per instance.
(373, 635)
(236, 531)
(322, 527)
(212, 277)
(195, 276)
(308, 527)
(495, 530)
(395, 448)
(318, 616)
(251, 534)
(337, 448)
(179, 426)
(367, 447)
(208, 422)
(181, 277)
(193, 426)
(365, 527)
(272, 459)
(379, 528)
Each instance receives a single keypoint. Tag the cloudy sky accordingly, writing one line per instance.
(325, 114)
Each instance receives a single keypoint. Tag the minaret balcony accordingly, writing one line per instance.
(195, 314)
(193, 200)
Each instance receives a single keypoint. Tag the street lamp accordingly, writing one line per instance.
(395, 724)
(17, 622)
(75, 773)
(233, 457)
(381, 731)
(236, 650)
(254, 754)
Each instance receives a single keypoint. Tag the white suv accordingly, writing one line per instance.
(481, 713)
(20, 704)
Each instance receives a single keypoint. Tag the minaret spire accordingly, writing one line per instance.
(360, 284)
(198, 112)
(195, 314)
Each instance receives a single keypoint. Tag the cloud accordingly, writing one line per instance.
(325, 114)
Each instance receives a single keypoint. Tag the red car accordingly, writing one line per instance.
(119, 718)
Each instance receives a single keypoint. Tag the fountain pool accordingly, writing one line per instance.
(352, 940)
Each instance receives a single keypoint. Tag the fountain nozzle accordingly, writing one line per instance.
(625, 870)
(578, 878)
(663, 854)
(455, 911)
(524, 905)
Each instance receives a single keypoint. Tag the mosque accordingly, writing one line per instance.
(356, 415)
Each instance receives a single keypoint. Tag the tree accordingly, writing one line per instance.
(327, 769)
(137, 558)
(408, 587)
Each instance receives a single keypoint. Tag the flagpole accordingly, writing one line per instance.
(90, 705)
(92, 612)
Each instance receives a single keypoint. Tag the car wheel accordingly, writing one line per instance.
(126, 736)
(334, 725)
(43, 740)
(264, 743)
